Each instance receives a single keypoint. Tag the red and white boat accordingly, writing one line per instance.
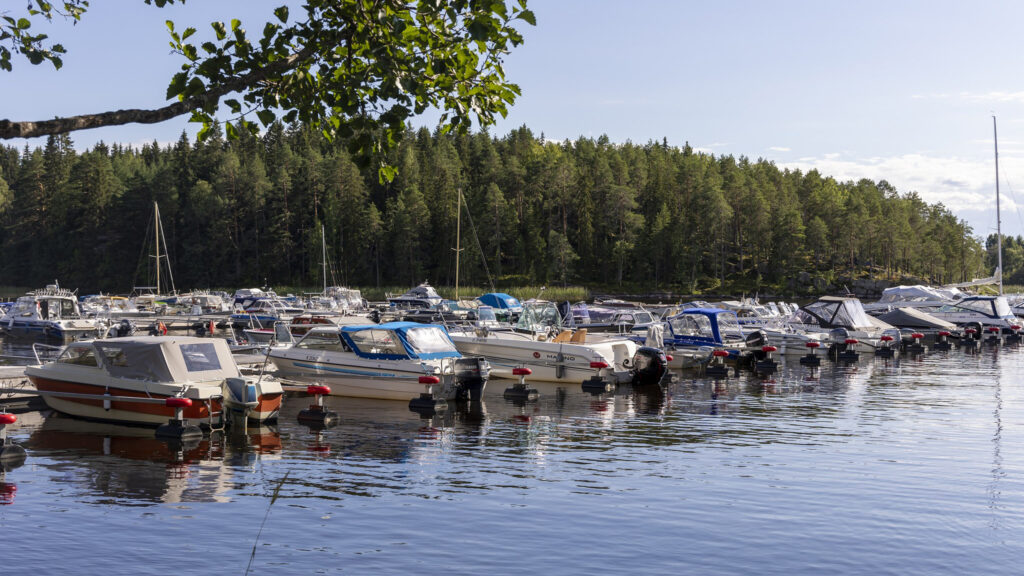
(130, 379)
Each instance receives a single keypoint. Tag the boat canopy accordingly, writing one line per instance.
(501, 301)
(714, 323)
(156, 359)
(839, 312)
(918, 293)
(398, 341)
(991, 306)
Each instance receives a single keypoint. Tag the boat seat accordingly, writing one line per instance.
(563, 336)
(579, 336)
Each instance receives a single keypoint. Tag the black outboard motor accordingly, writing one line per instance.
(470, 378)
(650, 366)
(756, 339)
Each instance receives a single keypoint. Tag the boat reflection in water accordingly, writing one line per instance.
(120, 464)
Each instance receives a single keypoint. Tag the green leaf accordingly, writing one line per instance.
(23, 23)
(218, 27)
(188, 32)
(266, 117)
(282, 13)
(170, 25)
(528, 17)
(177, 85)
(234, 105)
(231, 131)
(235, 23)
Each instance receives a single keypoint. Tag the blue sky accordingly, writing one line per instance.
(902, 91)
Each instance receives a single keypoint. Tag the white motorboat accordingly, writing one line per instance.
(539, 343)
(130, 379)
(49, 313)
(391, 361)
(845, 319)
(978, 312)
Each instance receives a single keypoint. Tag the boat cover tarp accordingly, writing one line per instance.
(918, 293)
(914, 318)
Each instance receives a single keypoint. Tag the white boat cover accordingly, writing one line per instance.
(163, 359)
(914, 318)
(918, 293)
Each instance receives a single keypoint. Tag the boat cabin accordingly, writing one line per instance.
(695, 327)
(838, 312)
(388, 341)
(155, 359)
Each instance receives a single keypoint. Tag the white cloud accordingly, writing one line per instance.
(998, 96)
(778, 149)
(960, 184)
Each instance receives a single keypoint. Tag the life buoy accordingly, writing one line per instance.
(163, 329)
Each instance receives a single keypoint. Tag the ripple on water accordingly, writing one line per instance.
(908, 466)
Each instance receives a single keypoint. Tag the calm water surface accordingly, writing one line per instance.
(905, 467)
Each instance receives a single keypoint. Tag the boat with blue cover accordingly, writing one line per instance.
(390, 361)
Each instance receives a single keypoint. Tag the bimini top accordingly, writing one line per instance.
(156, 359)
(501, 301)
(721, 323)
(398, 341)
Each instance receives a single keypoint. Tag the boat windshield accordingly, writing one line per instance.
(729, 326)
(322, 340)
(378, 341)
(1002, 307)
(643, 317)
(852, 314)
(691, 325)
(539, 317)
(200, 357)
(429, 340)
(80, 355)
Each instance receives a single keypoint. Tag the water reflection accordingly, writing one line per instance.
(126, 465)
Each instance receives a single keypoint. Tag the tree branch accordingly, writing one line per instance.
(10, 129)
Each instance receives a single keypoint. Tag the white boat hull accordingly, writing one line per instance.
(549, 361)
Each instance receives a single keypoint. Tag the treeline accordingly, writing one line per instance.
(590, 212)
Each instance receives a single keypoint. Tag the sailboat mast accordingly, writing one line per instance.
(156, 236)
(458, 240)
(999, 224)
(323, 248)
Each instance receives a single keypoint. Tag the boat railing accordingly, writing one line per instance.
(36, 346)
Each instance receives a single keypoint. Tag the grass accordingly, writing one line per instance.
(379, 294)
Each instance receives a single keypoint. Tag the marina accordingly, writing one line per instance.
(891, 466)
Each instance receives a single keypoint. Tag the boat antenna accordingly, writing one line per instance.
(999, 228)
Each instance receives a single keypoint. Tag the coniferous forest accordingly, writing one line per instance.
(592, 212)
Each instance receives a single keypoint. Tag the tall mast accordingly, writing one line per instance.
(156, 235)
(323, 248)
(999, 224)
(458, 238)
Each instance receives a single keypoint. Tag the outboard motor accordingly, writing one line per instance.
(756, 339)
(470, 378)
(650, 366)
(124, 328)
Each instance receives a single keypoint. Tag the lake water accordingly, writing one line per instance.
(882, 467)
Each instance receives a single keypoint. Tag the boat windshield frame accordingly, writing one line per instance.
(539, 317)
